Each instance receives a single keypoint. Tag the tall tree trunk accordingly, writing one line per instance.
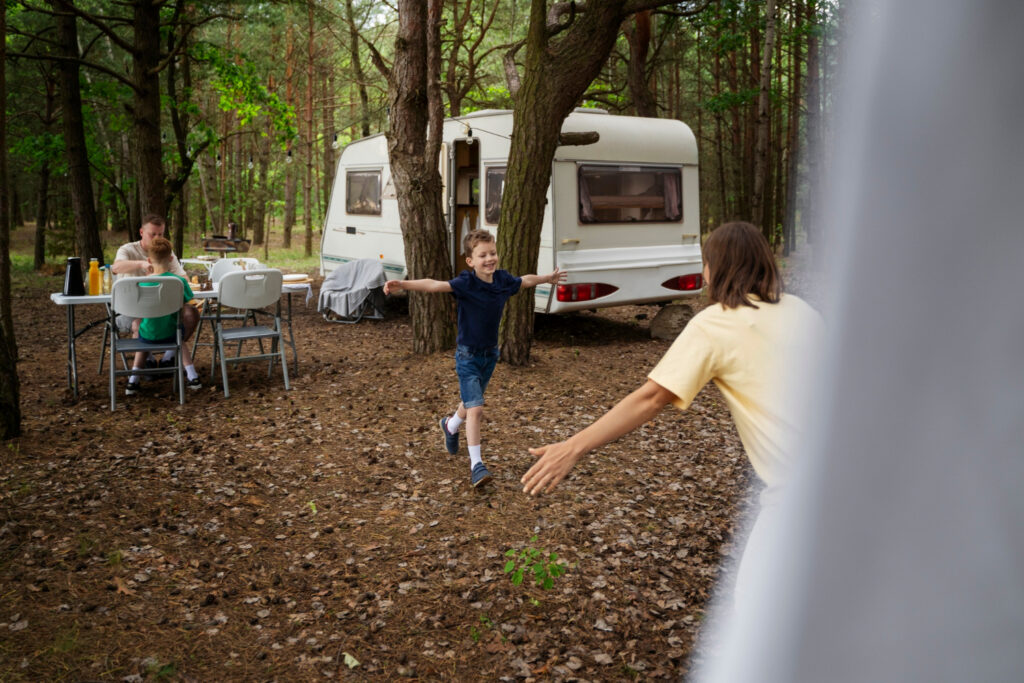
(763, 121)
(43, 203)
(638, 35)
(813, 145)
(414, 142)
(290, 173)
(87, 238)
(262, 191)
(357, 70)
(42, 216)
(146, 105)
(310, 136)
(554, 77)
(329, 132)
(10, 391)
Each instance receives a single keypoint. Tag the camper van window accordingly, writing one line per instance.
(629, 194)
(495, 185)
(362, 192)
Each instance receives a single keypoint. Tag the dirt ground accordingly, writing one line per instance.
(324, 532)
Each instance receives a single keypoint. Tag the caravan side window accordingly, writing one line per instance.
(494, 186)
(362, 192)
(629, 194)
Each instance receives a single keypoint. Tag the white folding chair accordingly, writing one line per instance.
(145, 297)
(220, 268)
(249, 291)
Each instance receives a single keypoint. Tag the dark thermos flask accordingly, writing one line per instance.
(73, 285)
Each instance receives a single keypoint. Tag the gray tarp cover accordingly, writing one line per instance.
(346, 288)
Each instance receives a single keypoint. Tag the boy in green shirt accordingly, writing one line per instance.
(161, 258)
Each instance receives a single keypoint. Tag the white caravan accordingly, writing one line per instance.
(622, 214)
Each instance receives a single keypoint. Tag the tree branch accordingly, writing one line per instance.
(511, 72)
(572, 139)
(81, 62)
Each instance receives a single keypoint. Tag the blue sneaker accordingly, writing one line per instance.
(451, 441)
(480, 476)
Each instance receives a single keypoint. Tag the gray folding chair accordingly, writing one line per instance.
(145, 297)
(250, 290)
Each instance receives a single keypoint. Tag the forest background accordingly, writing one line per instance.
(217, 112)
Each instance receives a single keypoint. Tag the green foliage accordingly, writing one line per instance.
(729, 100)
(242, 92)
(544, 566)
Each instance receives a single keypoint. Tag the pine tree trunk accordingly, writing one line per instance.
(10, 394)
(413, 145)
(87, 238)
(357, 70)
(763, 121)
(146, 106)
(555, 76)
(42, 211)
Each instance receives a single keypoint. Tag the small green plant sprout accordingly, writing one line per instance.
(544, 566)
(312, 507)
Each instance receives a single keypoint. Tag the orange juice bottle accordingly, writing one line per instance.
(94, 277)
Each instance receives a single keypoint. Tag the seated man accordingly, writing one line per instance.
(132, 260)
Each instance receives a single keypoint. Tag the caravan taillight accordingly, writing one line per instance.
(684, 283)
(584, 291)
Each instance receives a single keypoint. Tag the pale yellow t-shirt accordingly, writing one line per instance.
(751, 355)
(133, 251)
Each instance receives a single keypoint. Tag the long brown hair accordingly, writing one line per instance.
(740, 263)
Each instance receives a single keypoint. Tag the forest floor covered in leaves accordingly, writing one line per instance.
(324, 532)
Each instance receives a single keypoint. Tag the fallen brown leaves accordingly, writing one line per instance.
(285, 535)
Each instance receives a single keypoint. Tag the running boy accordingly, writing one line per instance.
(161, 258)
(480, 294)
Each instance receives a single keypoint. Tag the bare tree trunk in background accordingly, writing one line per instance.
(638, 35)
(310, 135)
(357, 70)
(813, 148)
(43, 203)
(763, 121)
(145, 111)
(414, 142)
(87, 238)
(329, 132)
(290, 174)
(10, 391)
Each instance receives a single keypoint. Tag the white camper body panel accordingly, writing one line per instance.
(632, 256)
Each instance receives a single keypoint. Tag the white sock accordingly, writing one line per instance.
(134, 379)
(474, 456)
(454, 422)
(190, 370)
(169, 355)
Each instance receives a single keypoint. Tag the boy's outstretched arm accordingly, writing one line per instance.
(555, 460)
(425, 285)
(554, 277)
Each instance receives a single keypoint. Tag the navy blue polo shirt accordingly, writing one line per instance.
(480, 305)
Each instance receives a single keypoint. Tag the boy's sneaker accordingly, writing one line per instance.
(480, 475)
(451, 441)
(194, 384)
(131, 389)
(166, 363)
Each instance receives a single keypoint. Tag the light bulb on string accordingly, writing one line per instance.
(218, 161)
(336, 143)
(250, 164)
(288, 159)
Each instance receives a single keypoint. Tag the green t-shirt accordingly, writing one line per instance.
(158, 329)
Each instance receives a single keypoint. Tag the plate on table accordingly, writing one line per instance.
(296, 277)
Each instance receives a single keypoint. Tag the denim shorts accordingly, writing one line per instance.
(474, 367)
